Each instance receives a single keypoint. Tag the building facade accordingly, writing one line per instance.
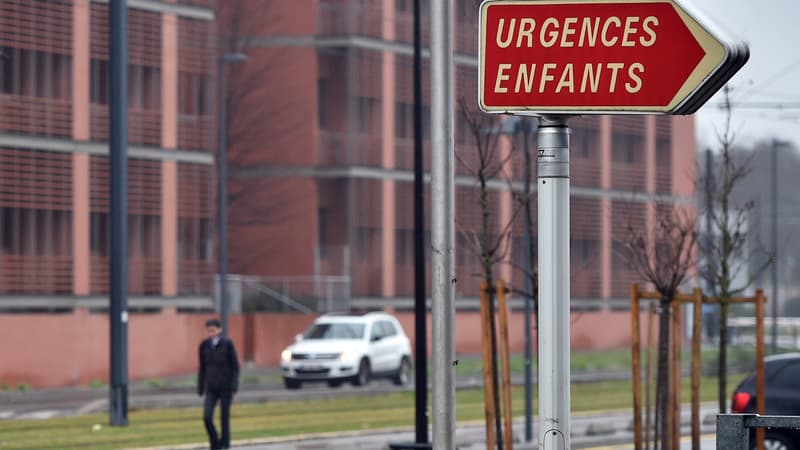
(54, 167)
(322, 157)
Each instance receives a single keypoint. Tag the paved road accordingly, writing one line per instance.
(47, 403)
(64, 402)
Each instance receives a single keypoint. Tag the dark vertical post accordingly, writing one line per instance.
(636, 353)
(697, 303)
(760, 393)
(420, 311)
(118, 311)
(529, 287)
(710, 265)
(774, 246)
(222, 196)
(709, 201)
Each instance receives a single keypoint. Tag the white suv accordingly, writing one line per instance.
(338, 348)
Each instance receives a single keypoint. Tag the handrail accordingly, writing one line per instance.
(278, 296)
(733, 430)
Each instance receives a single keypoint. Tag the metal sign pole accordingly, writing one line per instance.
(442, 225)
(420, 297)
(118, 158)
(527, 125)
(554, 295)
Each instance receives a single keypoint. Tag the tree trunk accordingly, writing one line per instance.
(662, 383)
(722, 368)
(487, 262)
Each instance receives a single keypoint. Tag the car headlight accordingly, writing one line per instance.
(286, 355)
(347, 356)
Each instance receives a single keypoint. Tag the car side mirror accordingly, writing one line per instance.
(298, 337)
(376, 338)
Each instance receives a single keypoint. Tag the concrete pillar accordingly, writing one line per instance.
(81, 263)
(169, 169)
(650, 176)
(506, 208)
(388, 205)
(605, 206)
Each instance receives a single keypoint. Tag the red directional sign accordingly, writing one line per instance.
(600, 56)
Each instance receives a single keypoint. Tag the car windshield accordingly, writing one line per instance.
(335, 331)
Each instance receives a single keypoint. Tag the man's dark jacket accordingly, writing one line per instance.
(219, 367)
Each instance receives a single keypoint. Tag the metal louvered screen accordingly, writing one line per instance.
(35, 222)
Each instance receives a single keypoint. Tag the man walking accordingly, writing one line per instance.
(218, 379)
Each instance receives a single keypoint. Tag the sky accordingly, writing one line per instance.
(770, 78)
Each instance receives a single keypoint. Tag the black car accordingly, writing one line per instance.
(782, 389)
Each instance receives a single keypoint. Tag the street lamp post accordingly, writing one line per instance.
(222, 192)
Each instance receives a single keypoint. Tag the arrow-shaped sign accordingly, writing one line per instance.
(600, 56)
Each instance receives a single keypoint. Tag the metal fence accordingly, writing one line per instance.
(300, 294)
(734, 430)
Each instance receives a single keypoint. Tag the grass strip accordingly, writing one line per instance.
(176, 426)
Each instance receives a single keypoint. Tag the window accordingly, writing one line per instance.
(584, 142)
(98, 84)
(368, 114)
(6, 70)
(382, 329)
(99, 236)
(404, 247)
(368, 241)
(35, 74)
(403, 120)
(9, 229)
(143, 236)
(627, 148)
(462, 131)
(322, 117)
(387, 328)
(788, 376)
(663, 152)
(195, 238)
(426, 121)
(584, 251)
(206, 241)
(322, 232)
(144, 87)
(335, 331)
(194, 96)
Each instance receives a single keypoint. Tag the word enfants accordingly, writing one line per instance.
(573, 32)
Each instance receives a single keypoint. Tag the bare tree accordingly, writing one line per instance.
(524, 199)
(725, 249)
(663, 256)
(483, 160)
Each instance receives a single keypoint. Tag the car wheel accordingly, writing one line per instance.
(777, 441)
(363, 376)
(292, 384)
(334, 383)
(403, 375)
